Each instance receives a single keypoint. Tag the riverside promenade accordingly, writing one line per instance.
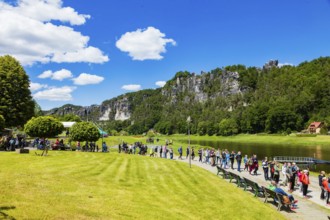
(313, 208)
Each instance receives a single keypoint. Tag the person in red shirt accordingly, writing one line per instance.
(325, 184)
(305, 182)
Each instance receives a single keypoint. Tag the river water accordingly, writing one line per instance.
(271, 150)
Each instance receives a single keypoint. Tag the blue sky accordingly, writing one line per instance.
(84, 52)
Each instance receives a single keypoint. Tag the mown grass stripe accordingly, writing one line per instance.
(84, 185)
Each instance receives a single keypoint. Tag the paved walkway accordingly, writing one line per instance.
(313, 208)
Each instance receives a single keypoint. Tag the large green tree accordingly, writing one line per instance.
(84, 131)
(43, 126)
(16, 103)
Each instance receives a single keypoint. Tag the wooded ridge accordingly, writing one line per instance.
(225, 101)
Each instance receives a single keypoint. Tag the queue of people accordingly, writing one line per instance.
(292, 176)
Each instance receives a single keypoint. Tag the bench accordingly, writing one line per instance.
(278, 198)
(269, 194)
(283, 201)
(239, 180)
(225, 174)
(22, 151)
(257, 190)
(219, 169)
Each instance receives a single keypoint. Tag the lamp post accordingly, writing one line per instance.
(188, 121)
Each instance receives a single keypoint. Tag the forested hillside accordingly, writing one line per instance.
(225, 101)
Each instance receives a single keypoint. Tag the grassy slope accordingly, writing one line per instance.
(76, 185)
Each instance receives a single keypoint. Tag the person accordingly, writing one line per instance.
(272, 169)
(171, 153)
(255, 165)
(187, 151)
(104, 147)
(192, 153)
(285, 180)
(165, 151)
(325, 184)
(265, 168)
(218, 153)
(160, 151)
(276, 172)
(246, 164)
(232, 157)
(207, 156)
(151, 152)
(223, 155)
(200, 154)
(277, 189)
(305, 182)
(47, 146)
(250, 164)
(227, 158)
(321, 176)
(78, 146)
(293, 175)
(239, 160)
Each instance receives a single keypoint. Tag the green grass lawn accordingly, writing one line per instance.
(78, 185)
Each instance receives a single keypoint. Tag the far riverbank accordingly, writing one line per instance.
(319, 140)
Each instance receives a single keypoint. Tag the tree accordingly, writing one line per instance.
(84, 131)
(2, 122)
(37, 109)
(43, 126)
(280, 119)
(70, 117)
(16, 103)
(228, 127)
(202, 127)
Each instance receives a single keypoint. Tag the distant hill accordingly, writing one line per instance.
(228, 100)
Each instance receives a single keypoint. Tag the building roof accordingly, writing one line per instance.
(315, 124)
(68, 124)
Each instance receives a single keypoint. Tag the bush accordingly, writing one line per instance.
(324, 131)
(43, 126)
(114, 133)
(123, 133)
(84, 131)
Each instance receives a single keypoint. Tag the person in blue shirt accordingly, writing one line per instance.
(104, 147)
(180, 152)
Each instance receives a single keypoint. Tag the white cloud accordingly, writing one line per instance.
(37, 86)
(146, 44)
(27, 33)
(46, 74)
(57, 75)
(55, 94)
(132, 87)
(86, 79)
(160, 83)
(62, 74)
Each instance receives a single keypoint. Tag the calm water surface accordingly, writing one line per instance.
(271, 150)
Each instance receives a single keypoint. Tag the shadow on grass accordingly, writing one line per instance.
(3, 215)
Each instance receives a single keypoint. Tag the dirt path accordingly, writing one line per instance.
(312, 208)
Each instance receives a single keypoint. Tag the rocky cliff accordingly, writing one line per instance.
(185, 87)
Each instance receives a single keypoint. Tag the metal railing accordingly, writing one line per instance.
(305, 160)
